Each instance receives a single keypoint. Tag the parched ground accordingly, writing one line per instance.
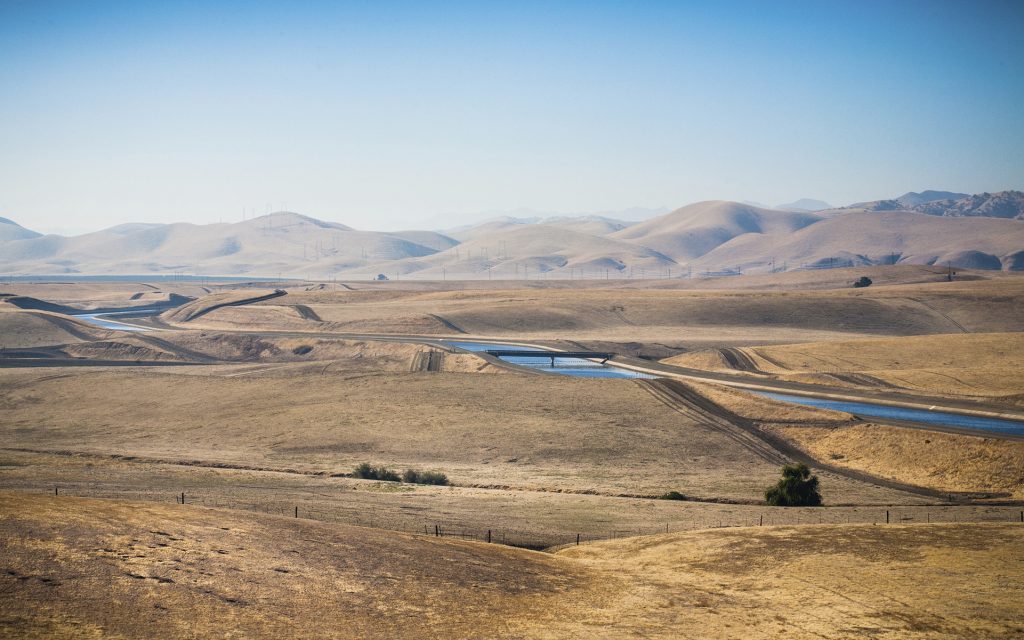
(946, 461)
(95, 294)
(99, 568)
(74, 567)
(833, 581)
(981, 366)
(20, 329)
(548, 433)
(953, 462)
(684, 318)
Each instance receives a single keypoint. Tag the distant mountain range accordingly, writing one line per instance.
(984, 231)
(1004, 204)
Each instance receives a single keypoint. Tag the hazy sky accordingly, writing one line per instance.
(384, 115)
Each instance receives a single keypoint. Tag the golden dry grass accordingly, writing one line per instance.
(950, 462)
(921, 581)
(93, 294)
(972, 365)
(25, 329)
(685, 318)
(525, 431)
(944, 461)
(81, 567)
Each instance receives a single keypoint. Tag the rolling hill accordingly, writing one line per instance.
(696, 229)
(984, 231)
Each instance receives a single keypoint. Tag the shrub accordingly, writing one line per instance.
(413, 476)
(797, 488)
(863, 282)
(433, 477)
(672, 495)
(366, 471)
(369, 472)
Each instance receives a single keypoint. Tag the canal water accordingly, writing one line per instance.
(102, 319)
(866, 410)
(581, 368)
(577, 367)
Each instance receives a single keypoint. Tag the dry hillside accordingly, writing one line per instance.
(172, 570)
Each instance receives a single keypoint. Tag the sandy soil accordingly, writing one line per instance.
(173, 570)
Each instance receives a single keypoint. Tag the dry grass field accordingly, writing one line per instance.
(683, 319)
(96, 568)
(953, 462)
(270, 407)
(530, 432)
(972, 365)
(97, 294)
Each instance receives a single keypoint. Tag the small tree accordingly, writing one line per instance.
(797, 488)
(863, 282)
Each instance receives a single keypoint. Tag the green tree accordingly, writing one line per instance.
(797, 488)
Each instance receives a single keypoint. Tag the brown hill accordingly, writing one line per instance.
(79, 567)
(694, 230)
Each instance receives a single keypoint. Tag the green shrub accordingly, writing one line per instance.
(366, 471)
(369, 472)
(433, 477)
(413, 476)
(672, 495)
(797, 488)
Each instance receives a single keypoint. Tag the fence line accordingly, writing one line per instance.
(752, 516)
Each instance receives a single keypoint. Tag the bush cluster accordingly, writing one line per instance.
(366, 471)
(672, 495)
(424, 477)
(797, 488)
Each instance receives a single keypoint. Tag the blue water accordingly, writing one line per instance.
(577, 367)
(100, 319)
(940, 418)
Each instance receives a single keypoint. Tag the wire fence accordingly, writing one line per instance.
(690, 516)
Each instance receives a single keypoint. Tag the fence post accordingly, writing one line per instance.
(437, 531)
(488, 535)
(577, 539)
(296, 511)
(55, 491)
(760, 521)
(182, 497)
(886, 516)
(1022, 516)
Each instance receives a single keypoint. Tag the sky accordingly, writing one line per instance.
(389, 115)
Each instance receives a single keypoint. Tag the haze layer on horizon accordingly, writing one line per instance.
(410, 115)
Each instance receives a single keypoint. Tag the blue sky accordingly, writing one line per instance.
(386, 115)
